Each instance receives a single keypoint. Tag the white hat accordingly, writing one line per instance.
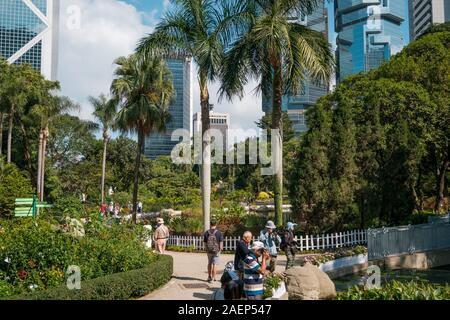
(160, 220)
(270, 225)
(257, 245)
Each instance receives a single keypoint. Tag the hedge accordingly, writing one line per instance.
(119, 286)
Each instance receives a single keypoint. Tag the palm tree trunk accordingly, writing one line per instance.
(2, 116)
(44, 151)
(26, 148)
(10, 130)
(105, 144)
(278, 148)
(206, 152)
(136, 174)
(39, 170)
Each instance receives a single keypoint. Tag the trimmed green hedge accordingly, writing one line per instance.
(119, 286)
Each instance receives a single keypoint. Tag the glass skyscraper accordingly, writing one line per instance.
(161, 144)
(29, 34)
(296, 105)
(369, 33)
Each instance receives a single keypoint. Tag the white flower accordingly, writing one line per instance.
(33, 286)
(8, 260)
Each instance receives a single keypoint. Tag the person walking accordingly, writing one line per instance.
(271, 242)
(242, 251)
(103, 214)
(254, 271)
(139, 207)
(289, 245)
(160, 236)
(117, 213)
(213, 240)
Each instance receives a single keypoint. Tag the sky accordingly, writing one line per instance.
(93, 33)
(109, 29)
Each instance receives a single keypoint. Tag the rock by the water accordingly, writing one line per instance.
(309, 283)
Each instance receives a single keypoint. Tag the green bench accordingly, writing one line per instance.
(27, 207)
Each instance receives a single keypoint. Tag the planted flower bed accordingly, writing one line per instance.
(35, 254)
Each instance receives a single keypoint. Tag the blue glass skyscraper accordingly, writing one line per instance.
(161, 144)
(296, 105)
(29, 33)
(369, 33)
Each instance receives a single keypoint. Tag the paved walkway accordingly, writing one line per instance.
(190, 275)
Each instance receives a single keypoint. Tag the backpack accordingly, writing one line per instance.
(212, 245)
(284, 239)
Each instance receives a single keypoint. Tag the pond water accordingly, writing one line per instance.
(439, 275)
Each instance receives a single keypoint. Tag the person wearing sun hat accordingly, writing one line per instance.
(254, 271)
(271, 241)
(289, 245)
(160, 236)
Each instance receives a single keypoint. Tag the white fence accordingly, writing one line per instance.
(304, 243)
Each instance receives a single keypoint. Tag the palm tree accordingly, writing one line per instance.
(200, 29)
(144, 89)
(43, 112)
(280, 53)
(105, 112)
(3, 79)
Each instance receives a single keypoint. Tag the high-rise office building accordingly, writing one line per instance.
(425, 13)
(217, 121)
(29, 34)
(296, 105)
(161, 144)
(369, 33)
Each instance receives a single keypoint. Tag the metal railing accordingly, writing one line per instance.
(387, 242)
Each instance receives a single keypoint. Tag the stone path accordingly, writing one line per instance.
(190, 275)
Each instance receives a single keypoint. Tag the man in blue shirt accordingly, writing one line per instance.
(214, 245)
(254, 271)
(271, 241)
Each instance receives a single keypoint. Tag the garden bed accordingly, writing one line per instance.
(120, 286)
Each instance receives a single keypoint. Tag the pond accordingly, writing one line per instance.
(439, 275)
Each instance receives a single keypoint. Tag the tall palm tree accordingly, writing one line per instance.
(43, 112)
(280, 53)
(105, 112)
(3, 78)
(200, 29)
(144, 90)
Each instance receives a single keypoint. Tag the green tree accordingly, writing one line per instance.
(280, 54)
(13, 184)
(144, 88)
(105, 112)
(200, 29)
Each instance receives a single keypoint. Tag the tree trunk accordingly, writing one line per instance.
(39, 170)
(105, 145)
(10, 130)
(27, 149)
(277, 124)
(2, 116)
(44, 151)
(136, 174)
(206, 152)
(441, 184)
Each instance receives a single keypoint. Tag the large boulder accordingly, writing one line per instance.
(309, 283)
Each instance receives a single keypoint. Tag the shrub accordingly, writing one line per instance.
(39, 252)
(120, 286)
(13, 184)
(271, 281)
(263, 196)
(396, 290)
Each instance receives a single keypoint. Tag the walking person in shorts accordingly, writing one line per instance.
(214, 245)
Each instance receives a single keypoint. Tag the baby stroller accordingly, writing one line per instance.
(232, 286)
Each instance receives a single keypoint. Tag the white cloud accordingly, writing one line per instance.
(108, 29)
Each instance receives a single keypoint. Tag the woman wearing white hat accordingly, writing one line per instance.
(254, 271)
